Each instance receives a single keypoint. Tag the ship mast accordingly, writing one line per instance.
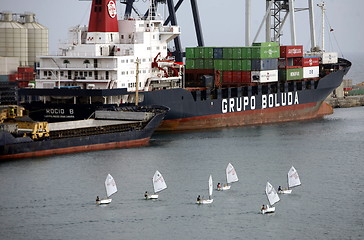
(322, 6)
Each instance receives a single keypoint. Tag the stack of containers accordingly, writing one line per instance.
(311, 67)
(290, 63)
(236, 65)
(265, 62)
(233, 63)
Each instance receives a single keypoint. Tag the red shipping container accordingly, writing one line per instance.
(25, 69)
(311, 62)
(236, 78)
(13, 77)
(227, 76)
(291, 51)
(297, 62)
(246, 76)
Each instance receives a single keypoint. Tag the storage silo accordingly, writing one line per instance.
(13, 38)
(37, 38)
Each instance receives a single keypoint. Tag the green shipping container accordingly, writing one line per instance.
(209, 63)
(199, 63)
(290, 74)
(266, 44)
(227, 65)
(241, 65)
(199, 52)
(190, 53)
(190, 63)
(208, 52)
(218, 64)
(265, 52)
(227, 53)
(237, 53)
(247, 52)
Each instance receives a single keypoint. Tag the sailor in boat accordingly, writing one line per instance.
(146, 194)
(97, 199)
(198, 198)
(263, 207)
(218, 186)
(279, 188)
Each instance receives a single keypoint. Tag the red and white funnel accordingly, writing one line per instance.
(103, 16)
(103, 25)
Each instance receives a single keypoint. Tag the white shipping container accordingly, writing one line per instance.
(329, 57)
(311, 72)
(8, 65)
(264, 76)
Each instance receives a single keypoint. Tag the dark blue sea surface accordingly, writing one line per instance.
(54, 197)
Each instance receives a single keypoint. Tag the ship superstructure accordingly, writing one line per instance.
(128, 53)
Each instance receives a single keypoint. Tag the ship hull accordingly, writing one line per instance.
(125, 139)
(192, 110)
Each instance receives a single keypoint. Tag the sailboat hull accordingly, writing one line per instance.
(205, 201)
(153, 196)
(104, 201)
(287, 191)
(268, 210)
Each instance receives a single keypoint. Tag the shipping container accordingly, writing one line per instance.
(311, 72)
(217, 53)
(290, 74)
(265, 52)
(208, 52)
(266, 44)
(310, 62)
(264, 76)
(227, 52)
(199, 63)
(198, 52)
(236, 77)
(227, 65)
(208, 63)
(284, 63)
(245, 76)
(264, 64)
(241, 65)
(291, 51)
(227, 76)
(25, 70)
(190, 52)
(190, 64)
(247, 53)
(218, 64)
(329, 57)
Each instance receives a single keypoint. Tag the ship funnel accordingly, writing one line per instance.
(103, 16)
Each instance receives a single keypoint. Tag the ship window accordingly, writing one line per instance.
(45, 73)
(157, 48)
(122, 36)
(90, 74)
(62, 73)
(107, 75)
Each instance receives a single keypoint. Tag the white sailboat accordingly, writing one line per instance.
(293, 181)
(272, 198)
(110, 187)
(158, 185)
(209, 200)
(231, 177)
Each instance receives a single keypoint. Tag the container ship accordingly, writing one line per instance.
(22, 137)
(128, 61)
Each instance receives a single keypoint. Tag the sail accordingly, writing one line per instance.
(210, 185)
(231, 174)
(271, 194)
(293, 178)
(110, 185)
(158, 182)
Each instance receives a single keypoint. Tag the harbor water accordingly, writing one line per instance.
(54, 197)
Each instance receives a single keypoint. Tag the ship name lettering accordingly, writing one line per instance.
(55, 111)
(287, 99)
(238, 104)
